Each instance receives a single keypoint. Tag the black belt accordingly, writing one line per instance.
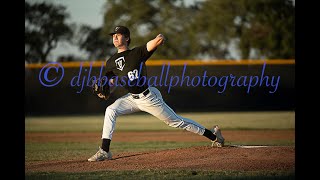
(137, 96)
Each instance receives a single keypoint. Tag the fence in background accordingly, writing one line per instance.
(223, 86)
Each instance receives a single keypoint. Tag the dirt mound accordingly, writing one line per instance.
(195, 158)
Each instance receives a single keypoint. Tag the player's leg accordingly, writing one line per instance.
(154, 104)
(123, 105)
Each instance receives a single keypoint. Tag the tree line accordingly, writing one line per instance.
(212, 29)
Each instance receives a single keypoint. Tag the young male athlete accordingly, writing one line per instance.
(125, 64)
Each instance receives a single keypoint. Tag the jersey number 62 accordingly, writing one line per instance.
(132, 75)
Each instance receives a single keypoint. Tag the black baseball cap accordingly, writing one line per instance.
(120, 29)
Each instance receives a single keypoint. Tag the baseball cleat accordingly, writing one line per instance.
(100, 156)
(219, 141)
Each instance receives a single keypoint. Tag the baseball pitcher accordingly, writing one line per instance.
(126, 66)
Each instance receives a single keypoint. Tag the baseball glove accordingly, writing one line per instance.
(101, 88)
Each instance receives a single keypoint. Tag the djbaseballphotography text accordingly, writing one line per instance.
(51, 75)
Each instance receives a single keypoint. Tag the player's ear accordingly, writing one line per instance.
(128, 40)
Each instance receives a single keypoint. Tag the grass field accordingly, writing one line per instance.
(37, 151)
(166, 174)
(146, 122)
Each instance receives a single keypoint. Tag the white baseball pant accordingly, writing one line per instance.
(153, 104)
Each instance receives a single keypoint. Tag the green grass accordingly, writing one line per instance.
(146, 122)
(167, 174)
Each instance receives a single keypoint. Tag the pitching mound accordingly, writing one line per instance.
(195, 158)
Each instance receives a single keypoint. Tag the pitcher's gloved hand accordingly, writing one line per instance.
(101, 88)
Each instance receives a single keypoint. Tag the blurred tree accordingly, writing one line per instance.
(261, 29)
(44, 27)
(93, 41)
(256, 29)
(147, 18)
(69, 58)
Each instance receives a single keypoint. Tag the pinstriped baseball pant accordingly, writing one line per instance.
(153, 104)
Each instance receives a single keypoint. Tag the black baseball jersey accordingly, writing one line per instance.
(129, 66)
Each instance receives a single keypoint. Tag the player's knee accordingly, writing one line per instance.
(176, 123)
(111, 112)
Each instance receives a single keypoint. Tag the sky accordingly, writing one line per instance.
(89, 12)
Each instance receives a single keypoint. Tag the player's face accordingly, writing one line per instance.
(119, 40)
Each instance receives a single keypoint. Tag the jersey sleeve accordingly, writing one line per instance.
(109, 69)
(144, 53)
